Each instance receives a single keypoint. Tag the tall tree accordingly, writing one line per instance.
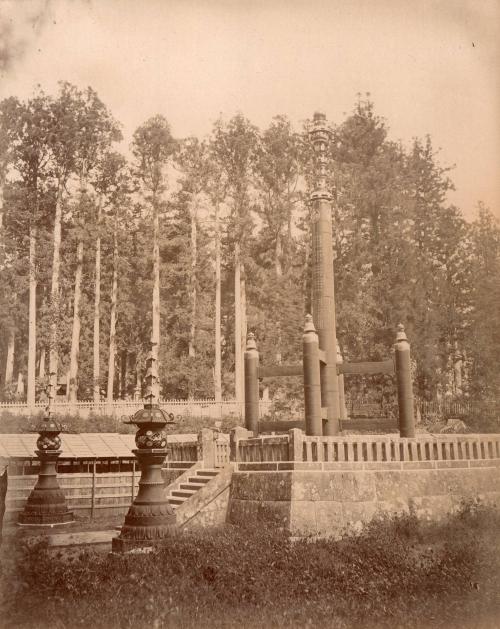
(277, 175)
(153, 147)
(96, 131)
(483, 339)
(217, 186)
(63, 142)
(234, 147)
(27, 127)
(111, 182)
(193, 160)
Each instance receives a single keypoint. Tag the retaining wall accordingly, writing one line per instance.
(329, 499)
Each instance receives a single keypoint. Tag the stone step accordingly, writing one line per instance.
(184, 492)
(198, 481)
(175, 501)
(211, 473)
(191, 486)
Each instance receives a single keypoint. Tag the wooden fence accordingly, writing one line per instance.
(87, 494)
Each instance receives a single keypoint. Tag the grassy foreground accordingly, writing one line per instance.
(398, 573)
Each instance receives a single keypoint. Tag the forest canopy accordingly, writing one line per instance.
(195, 241)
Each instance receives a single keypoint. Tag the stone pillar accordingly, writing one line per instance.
(234, 436)
(206, 447)
(323, 293)
(404, 384)
(251, 361)
(295, 444)
(312, 383)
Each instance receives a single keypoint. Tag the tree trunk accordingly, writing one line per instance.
(1, 211)
(75, 337)
(155, 336)
(243, 340)
(278, 251)
(218, 357)
(9, 363)
(54, 294)
(97, 308)
(41, 365)
(238, 358)
(192, 284)
(30, 391)
(112, 324)
(20, 386)
(192, 280)
(123, 373)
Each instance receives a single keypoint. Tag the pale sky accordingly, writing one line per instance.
(431, 66)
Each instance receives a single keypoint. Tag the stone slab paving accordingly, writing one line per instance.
(82, 538)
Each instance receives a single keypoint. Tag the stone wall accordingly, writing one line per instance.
(208, 507)
(326, 502)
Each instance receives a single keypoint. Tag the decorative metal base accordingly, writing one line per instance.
(150, 518)
(46, 504)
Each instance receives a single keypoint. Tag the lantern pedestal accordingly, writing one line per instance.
(150, 517)
(46, 505)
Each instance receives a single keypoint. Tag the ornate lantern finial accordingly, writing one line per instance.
(152, 379)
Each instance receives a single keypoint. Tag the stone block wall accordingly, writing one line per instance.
(324, 502)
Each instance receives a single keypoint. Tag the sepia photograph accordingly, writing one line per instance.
(250, 314)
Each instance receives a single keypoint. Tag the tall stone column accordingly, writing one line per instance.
(323, 292)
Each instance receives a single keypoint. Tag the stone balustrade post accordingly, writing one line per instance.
(295, 444)
(234, 437)
(206, 447)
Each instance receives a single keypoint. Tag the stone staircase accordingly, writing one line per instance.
(195, 481)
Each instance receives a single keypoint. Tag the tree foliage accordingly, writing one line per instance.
(402, 252)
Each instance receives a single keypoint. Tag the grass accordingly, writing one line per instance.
(398, 573)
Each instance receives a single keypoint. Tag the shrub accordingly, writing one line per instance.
(11, 423)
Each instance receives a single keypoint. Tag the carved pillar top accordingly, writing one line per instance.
(320, 135)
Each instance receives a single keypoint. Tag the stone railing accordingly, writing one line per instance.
(393, 448)
(298, 448)
(182, 451)
(211, 447)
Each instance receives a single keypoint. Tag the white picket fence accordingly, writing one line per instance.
(204, 408)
